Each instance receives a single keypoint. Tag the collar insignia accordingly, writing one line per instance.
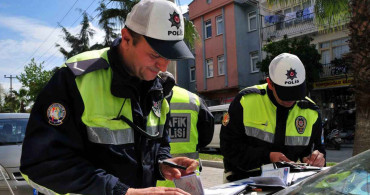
(157, 108)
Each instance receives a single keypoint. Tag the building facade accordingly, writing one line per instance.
(229, 48)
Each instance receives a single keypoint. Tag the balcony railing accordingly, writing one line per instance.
(330, 70)
(297, 26)
(302, 25)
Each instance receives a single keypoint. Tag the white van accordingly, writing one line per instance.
(218, 113)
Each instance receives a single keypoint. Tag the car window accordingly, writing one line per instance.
(218, 115)
(12, 131)
(349, 177)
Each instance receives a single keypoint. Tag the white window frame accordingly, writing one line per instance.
(209, 62)
(221, 64)
(253, 56)
(331, 47)
(205, 28)
(219, 21)
(192, 69)
(252, 15)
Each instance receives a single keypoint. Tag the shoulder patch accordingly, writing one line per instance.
(225, 119)
(305, 104)
(82, 67)
(252, 90)
(56, 114)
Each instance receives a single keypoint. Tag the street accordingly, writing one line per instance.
(212, 176)
(339, 155)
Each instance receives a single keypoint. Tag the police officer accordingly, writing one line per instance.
(191, 124)
(99, 126)
(272, 122)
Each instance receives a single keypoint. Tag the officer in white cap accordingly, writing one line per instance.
(100, 125)
(272, 122)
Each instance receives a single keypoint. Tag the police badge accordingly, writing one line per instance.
(300, 124)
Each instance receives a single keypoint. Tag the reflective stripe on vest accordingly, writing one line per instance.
(98, 115)
(40, 188)
(259, 119)
(183, 123)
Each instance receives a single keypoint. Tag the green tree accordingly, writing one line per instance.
(329, 13)
(10, 103)
(22, 99)
(34, 78)
(80, 42)
(108, 28)
(300, 47)
(2, 94)
(118, 13)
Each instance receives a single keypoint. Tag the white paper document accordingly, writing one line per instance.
(190, 183)
(228, 188)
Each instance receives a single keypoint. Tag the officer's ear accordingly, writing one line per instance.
(269, 83)
(126, 37)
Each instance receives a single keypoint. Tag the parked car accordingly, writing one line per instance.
(351, 176)
(218, 113)
(12, 132)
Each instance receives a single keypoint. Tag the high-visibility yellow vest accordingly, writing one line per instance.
(183, 126)
(101, 106)
(259, 119)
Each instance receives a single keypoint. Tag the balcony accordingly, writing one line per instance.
(330, 70)
(296, 26)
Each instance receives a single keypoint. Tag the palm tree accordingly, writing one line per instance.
(21, 97)
(121, 8)
(110, 35)
(328, 13)
(80, 42)
(10, 103)
(118, 13)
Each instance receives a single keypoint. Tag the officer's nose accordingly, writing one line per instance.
(162, 64)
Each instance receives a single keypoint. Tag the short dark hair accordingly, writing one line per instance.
(135, 36)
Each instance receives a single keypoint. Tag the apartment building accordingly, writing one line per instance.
(225, 59)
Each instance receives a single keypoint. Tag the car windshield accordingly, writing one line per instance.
(12, 131)
(351, 176)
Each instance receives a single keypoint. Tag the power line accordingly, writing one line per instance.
(59, 37)
(46, 38)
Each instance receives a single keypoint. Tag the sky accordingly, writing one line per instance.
(29, 29)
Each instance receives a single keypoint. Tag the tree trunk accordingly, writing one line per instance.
(359, 44)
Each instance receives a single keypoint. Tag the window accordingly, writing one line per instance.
(221, 65)
(333, 49)
(208, 29)
(209, 64)
(209, 1)
(192, 74)
(254, 60)
(219, 25)
(252, 21)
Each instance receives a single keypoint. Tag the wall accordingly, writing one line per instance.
(247, 42)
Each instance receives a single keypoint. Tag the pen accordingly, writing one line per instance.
(312, 148)
(171, 164)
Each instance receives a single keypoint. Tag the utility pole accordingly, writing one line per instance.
(11, 82)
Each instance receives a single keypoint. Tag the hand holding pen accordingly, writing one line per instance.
(316, 158)
(176, 167)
